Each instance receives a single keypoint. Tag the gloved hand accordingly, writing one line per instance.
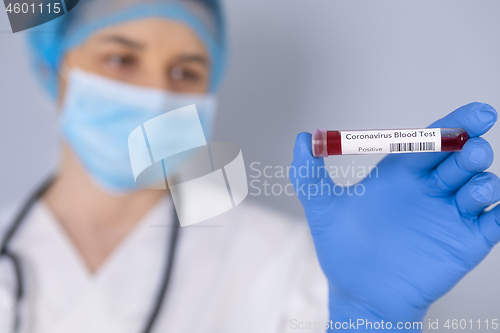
(417, 229)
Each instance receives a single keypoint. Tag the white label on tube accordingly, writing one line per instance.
(391, 141)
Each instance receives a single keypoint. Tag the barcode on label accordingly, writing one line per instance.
(412, 146)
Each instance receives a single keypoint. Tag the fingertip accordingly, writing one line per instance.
(304, 136)
(484, 188)
(480, 106)
(478, 118)
(475, 118)
(302, 144)
(476, 155)
(489, 224)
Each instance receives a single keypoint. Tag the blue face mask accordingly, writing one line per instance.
(98, 114)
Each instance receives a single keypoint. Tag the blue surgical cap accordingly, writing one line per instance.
(50, 41)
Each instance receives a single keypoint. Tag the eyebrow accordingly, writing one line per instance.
(138, 45)
(193, 58)
(124, 41)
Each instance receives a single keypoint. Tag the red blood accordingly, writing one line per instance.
(334, 145)
(454, 143)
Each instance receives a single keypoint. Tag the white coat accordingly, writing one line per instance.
(247, 270)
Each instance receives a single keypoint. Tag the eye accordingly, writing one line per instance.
(121, 61)
(179, 73)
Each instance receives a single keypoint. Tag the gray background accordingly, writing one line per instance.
(297, 65)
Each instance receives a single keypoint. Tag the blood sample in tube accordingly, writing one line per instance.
(325, 142)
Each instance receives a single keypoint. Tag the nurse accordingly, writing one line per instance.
(96, 253)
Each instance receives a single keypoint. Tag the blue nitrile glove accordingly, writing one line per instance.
(416, 231)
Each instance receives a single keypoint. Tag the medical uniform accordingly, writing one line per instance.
(247, 270)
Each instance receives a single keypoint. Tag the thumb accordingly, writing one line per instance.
(310, 178)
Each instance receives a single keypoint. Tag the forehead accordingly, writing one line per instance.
(153, 34)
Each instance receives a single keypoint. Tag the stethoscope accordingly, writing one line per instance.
(19, 292)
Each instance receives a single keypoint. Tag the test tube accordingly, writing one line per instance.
(325, 142)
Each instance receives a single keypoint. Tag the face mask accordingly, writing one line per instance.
(98, 115)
